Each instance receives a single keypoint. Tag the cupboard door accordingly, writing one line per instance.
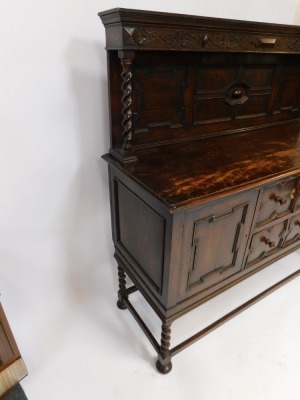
(12, 367)
(216, 238)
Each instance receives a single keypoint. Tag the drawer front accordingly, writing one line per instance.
(277, 200)
(293, 235)
(266, 243)
(214, 242)
(298, 200)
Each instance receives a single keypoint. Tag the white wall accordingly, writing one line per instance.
(55, 246)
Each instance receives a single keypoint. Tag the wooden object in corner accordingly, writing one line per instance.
(204, 163)
(12, 367)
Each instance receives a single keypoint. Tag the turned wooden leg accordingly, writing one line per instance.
(122, 289)
(163, 363)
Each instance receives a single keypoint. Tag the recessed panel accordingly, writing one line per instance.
(289, 96)
(258, 76)
(209, 110)
(214, 78)
(213, 252)
(158, 97)
(254, 106)
(141, 233)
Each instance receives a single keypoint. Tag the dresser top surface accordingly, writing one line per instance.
(186, 174)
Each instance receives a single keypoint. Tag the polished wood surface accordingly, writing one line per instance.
(204, 158)
(185, 174)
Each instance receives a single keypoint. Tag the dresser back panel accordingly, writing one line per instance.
(177, 96)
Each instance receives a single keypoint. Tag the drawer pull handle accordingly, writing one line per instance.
(265, 43)
(268, 242)
(237, 93)
(280, 200)
(205, 40)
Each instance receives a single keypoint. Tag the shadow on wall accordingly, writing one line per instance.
(87, 221)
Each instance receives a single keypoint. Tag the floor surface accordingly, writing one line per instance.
(17, 393)
(104, 354)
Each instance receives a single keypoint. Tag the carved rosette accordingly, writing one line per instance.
(294, 45)
(127, 102)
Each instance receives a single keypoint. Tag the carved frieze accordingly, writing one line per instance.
(156, 38)
(150, 38)
(229, 42)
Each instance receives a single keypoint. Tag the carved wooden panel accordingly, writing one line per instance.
(223, 249)
(288, 98)
(204, 40)
(213, 78)
(226, 92)
(139, 227)
(209, 104)
(172, 96)
(214, 242)
(151, 107)
(276, 200)
(259, 79)
(266, 243)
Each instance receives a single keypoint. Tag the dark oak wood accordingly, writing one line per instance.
(204, 163)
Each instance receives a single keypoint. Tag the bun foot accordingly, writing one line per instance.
(121, 305)
(163, 369)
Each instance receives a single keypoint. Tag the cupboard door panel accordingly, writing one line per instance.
(216, 238)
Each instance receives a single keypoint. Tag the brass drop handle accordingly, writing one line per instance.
(268, 242)
(280, 200)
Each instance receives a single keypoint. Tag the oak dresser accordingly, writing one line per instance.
(204, 158)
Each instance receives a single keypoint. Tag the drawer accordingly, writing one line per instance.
(293, 235)
(277, 200)
(266, 243)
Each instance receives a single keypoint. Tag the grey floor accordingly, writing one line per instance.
(17, 393)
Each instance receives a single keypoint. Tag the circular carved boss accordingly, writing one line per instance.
(237, 93)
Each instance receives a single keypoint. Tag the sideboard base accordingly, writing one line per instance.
(164, 364)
